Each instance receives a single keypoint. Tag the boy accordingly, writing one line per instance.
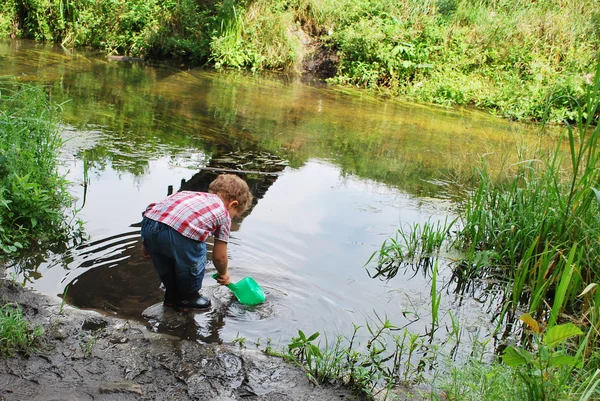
(174, 233)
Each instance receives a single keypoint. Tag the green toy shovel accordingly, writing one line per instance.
(247, 291)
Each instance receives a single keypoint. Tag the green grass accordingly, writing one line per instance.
(533, 232)
(538, 227)
(387, 363)
(33, 194)
(15, 334)
(519, 59)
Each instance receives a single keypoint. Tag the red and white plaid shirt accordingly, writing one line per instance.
(195, 215)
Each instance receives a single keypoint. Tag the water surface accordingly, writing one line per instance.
(340, 172)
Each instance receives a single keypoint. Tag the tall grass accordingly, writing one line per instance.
(534, 232)
(540, 224)
(33, 194)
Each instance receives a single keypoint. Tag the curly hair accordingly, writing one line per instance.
(231, 187)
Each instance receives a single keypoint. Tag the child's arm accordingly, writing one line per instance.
(220, 261)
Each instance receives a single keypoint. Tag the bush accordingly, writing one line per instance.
(33, 194)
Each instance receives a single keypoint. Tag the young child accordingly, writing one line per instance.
(174, 233)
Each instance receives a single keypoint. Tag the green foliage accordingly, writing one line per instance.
(522, 60)
(15, 334)
(547, 370)
(385, 361)
(33, 194)
(417, 245)
(539, 226)
(8, 18)
(181, 32)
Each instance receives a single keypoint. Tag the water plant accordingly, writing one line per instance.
(537, 227)
(373, 368)
(414, 245)
(533, 234)
(240, 340)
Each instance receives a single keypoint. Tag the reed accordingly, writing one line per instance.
(417, 245)
(538, 228)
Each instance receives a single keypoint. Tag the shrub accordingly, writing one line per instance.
(33, 194)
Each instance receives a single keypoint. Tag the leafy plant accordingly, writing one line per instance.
(383, 362)
(547, 369)
(240, 341)
(33, 195)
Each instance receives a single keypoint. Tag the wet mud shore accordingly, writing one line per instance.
(85, 355)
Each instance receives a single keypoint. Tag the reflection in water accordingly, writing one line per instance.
(143, 112)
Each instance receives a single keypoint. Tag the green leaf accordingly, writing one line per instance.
(515, 357)
(313, 336)
(560, 333)
(564, 360)
(302, 335)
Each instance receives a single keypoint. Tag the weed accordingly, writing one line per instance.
(417, 246)
(33, 195)
(240, 341)
(87, 345)
(547, 370)
(64, 301)
(15, 334)
(383, 362)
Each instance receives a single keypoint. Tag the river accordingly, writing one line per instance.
(335, 172)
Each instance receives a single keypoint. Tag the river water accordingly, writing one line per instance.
(336, 172)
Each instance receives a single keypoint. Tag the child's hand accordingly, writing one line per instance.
(224, 279)
(145, 253)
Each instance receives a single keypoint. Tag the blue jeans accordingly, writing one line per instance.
(179, 261)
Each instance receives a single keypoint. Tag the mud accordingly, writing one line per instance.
(89, 356)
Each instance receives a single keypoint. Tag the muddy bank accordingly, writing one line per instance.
(89, 356)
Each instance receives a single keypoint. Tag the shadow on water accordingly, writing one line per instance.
(119, 281)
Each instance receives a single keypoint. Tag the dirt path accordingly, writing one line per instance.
(89, 356)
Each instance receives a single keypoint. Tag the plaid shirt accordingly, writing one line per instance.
(195, 215)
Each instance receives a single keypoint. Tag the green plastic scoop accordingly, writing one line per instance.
(247, 291)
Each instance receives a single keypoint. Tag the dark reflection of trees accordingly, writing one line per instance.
(119, 281)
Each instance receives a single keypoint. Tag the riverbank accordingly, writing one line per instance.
(85, 355)
(519, 60)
